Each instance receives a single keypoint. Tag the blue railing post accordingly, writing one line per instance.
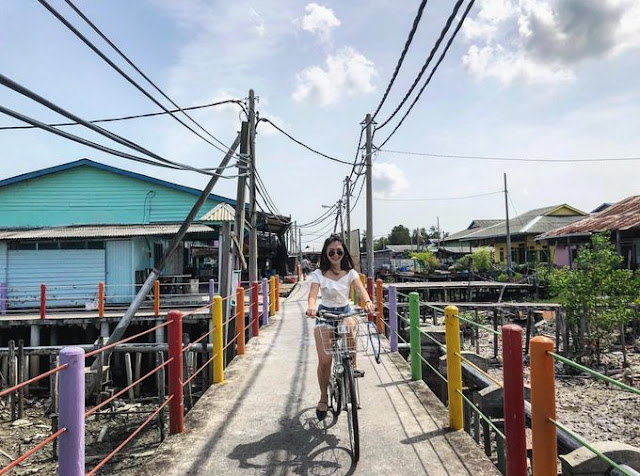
(72, 412)
(393, 318)
(265, 302)
(3, 298)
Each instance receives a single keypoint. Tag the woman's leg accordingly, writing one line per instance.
(352, 322)
(324, 346)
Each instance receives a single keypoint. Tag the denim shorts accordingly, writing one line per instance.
(334, 310)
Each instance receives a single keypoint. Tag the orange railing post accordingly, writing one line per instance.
(543, 407)
(240, 319)
(101, 299)
(379, 306)
(277, 292)
(156, 298)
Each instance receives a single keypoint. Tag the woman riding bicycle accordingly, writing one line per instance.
(333, 279)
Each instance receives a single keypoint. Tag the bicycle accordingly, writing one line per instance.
(343, 389)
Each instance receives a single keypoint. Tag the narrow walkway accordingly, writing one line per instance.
(262, 420)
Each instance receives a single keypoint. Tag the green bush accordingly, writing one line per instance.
(503, 277)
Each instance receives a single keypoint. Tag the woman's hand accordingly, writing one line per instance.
(370, 307)
(311, 313)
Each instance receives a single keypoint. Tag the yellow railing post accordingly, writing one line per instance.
(277, 283)
(240, 319)
(454, 367)
(543, 407)
(272, 296)
(379, 306)
(363, 280)
(218, 360)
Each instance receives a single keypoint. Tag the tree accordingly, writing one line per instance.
(427, 260)
(399, 236)
(596, 295)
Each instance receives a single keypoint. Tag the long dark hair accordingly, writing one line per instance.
(347, 261)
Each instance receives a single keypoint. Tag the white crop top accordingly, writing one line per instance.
(334, 293)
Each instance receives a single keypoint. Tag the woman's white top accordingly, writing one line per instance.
(334, 293)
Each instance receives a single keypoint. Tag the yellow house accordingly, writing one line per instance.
(523, 230)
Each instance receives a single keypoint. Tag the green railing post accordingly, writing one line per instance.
(416, 341)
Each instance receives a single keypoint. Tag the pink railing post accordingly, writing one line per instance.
(255, 323)
(176, 406)
(514, 421)
(393, 318)
(71, 410)
(43, 301)
(3, 298)
(265, 302)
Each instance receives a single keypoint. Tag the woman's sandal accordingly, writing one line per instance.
(322, 413)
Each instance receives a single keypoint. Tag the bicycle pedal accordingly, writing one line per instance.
(358, 373)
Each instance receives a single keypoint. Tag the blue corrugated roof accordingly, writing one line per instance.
(109, 168)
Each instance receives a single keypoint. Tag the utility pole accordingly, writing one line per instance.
(253, 232)
(506, 209)
(341, 222)
(438, 254)
(368, 149)
(348, 193)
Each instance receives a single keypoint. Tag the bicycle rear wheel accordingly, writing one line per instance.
(351, 396)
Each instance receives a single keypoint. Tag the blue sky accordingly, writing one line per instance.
(524, 79)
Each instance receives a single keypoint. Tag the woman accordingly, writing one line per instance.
(333, 278)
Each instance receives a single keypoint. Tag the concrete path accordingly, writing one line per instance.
(262, 420)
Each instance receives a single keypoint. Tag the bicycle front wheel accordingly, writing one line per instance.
(351, 395)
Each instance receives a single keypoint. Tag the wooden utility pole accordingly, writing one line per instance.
(369, 146)
(506, 208)
(253, 232)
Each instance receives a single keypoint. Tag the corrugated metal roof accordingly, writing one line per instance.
(624, 215)
(532, 222)
(219, 213)
(473, 227)
(97, 231)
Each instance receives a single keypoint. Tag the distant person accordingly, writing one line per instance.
(333, 279)
(306, 267)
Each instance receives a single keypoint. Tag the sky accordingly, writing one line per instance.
(523, 79)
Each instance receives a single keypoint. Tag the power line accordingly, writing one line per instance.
(407, 43)
(443, 33)
(320, 219)
(9, 83)
(94, 145)
(436, 199)
(508, 159)
(126, 118)
(435, 68)
(96, 50)
(303, 144)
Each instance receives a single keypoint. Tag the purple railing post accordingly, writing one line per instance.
(3, 298)
(71, 408)
(212, 290)
(393, 318)
(265, 302)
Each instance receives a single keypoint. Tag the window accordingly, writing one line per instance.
(24, 245)
(48, 245)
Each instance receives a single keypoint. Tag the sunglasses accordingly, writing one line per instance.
(335, 252)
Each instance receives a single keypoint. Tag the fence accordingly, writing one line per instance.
(72, 411)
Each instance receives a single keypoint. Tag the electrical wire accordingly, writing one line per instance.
(263, 189)
(508, 159)
(262, 119)
(318, 220)
(414, 27)
(126, 118)
(9, 83)
(436, 199)
(80, 140)
(96, 50)
(435, 68)
(426, 64)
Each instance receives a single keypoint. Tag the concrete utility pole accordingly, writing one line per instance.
(368, 148)
(341, 222)
(506, 209)
(348, 194)
(253, 220)
(240, 193)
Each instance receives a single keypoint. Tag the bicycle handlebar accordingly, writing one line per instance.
(329, 316)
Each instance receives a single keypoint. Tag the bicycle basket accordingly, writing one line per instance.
(335, 336)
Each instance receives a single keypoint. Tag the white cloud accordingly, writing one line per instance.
(543, 40)
(388, 180)
(347, 73)
(319, 21)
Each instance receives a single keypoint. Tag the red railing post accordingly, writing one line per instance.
(514, 421)
(370, 288)
(255, 309)
(240, 320)
(43, 301)
(176, 406)
(71, 461)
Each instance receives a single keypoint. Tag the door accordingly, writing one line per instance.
(120, 279)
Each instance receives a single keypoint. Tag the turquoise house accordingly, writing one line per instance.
(75, 225)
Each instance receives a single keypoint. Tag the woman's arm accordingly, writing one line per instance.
(311, 300)
(364, 295)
